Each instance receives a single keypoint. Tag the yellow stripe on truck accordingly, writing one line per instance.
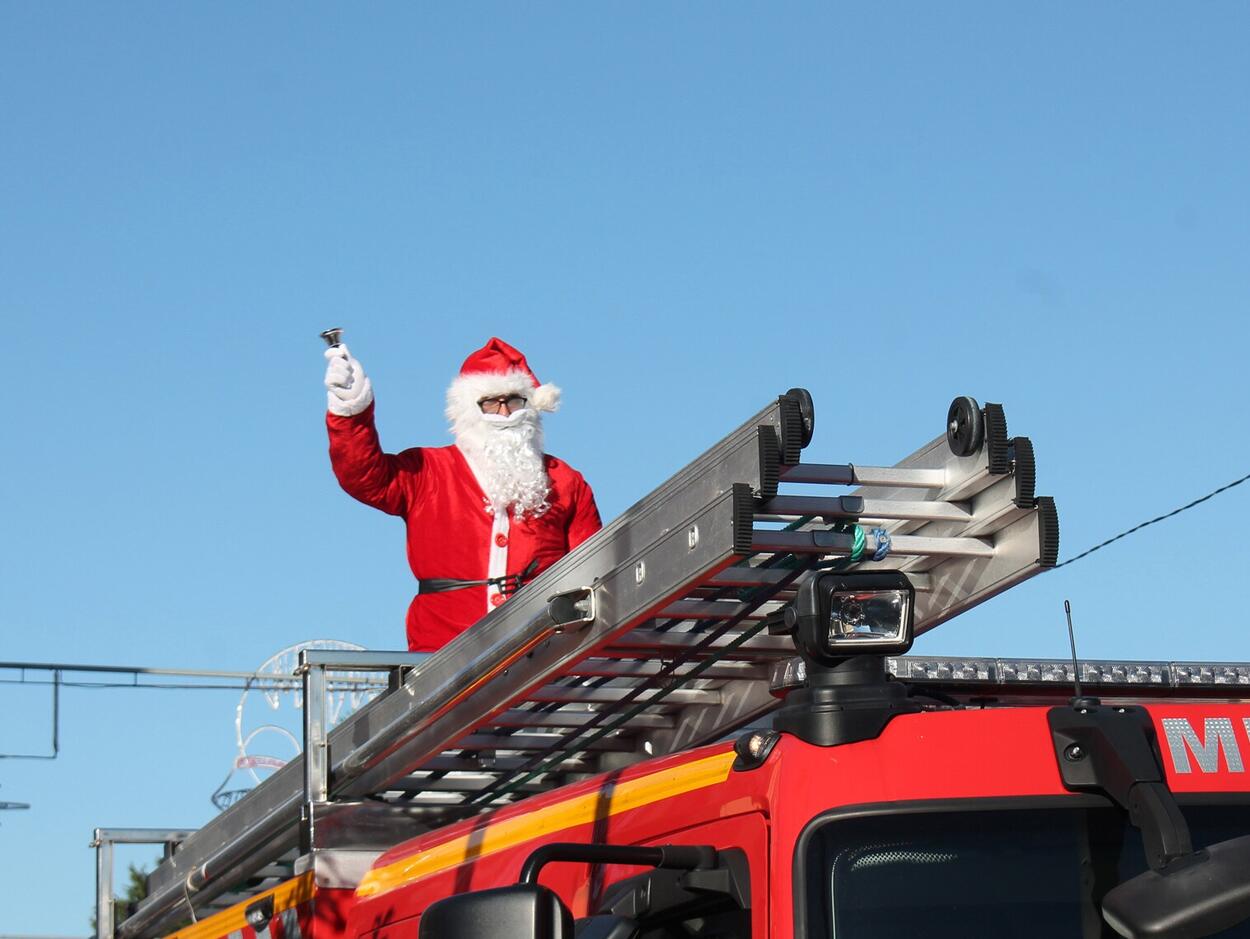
(286, 895)
(593, 806)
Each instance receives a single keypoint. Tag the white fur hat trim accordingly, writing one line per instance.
(466, 391)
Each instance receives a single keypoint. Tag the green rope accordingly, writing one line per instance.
(857, 547)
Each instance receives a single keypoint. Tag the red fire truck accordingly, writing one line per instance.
(549, 775)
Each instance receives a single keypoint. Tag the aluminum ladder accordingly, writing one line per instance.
(647, 639)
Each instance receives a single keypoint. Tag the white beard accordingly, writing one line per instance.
(506, 455)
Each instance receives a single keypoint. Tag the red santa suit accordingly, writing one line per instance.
(454, 532)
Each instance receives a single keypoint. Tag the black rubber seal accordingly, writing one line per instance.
(1047, 532)
(744, 506)
(1026, 472)
(770, 460)
(997, 445)
(792, 442)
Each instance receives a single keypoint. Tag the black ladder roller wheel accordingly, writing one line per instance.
(965, 427)
(807, 410)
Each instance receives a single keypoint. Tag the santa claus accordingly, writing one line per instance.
(484, 515)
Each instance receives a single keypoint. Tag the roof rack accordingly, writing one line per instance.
(649, 638)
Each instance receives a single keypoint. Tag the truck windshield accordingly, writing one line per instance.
(1021, 873)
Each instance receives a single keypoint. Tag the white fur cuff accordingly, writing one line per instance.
(352, 406)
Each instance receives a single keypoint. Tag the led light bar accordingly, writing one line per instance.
(988, 677)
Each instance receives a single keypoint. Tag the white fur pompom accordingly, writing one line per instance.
(545, 397)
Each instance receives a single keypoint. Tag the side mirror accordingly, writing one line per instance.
(1198, 897)
(521, 911)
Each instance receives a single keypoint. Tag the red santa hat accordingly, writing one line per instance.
(497, 369)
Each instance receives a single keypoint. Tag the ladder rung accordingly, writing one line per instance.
(992, 522)
(846, 474)
(568, 718)
(433, 801)
(784, 508)
(739, 576)
(644, 668)
(515, 743)
(712, 609)
(746, 577)
(610, 695)
(447, 763)
(829, 542)
(760, 646)
(474, 783)
(990, 510)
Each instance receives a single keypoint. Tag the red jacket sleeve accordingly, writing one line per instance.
(585, 521)
(362, 469)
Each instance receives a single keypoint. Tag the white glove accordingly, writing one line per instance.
(348, 389)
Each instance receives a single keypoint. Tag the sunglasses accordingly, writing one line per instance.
(499, 402)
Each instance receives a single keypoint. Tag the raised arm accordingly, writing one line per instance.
(362, 469)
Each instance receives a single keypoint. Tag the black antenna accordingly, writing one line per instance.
(1080, 700)
(1076, 667)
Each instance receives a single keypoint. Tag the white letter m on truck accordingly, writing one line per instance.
(1217, 733)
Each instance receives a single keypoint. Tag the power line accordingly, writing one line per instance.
(1216, 492)
(157, 679)
(261, 685)
(139, 670)
(142, 678)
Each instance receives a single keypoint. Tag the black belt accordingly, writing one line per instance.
(509, 583)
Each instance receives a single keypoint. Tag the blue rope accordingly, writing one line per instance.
(884, 544)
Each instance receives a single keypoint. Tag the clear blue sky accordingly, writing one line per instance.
(678, 211)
